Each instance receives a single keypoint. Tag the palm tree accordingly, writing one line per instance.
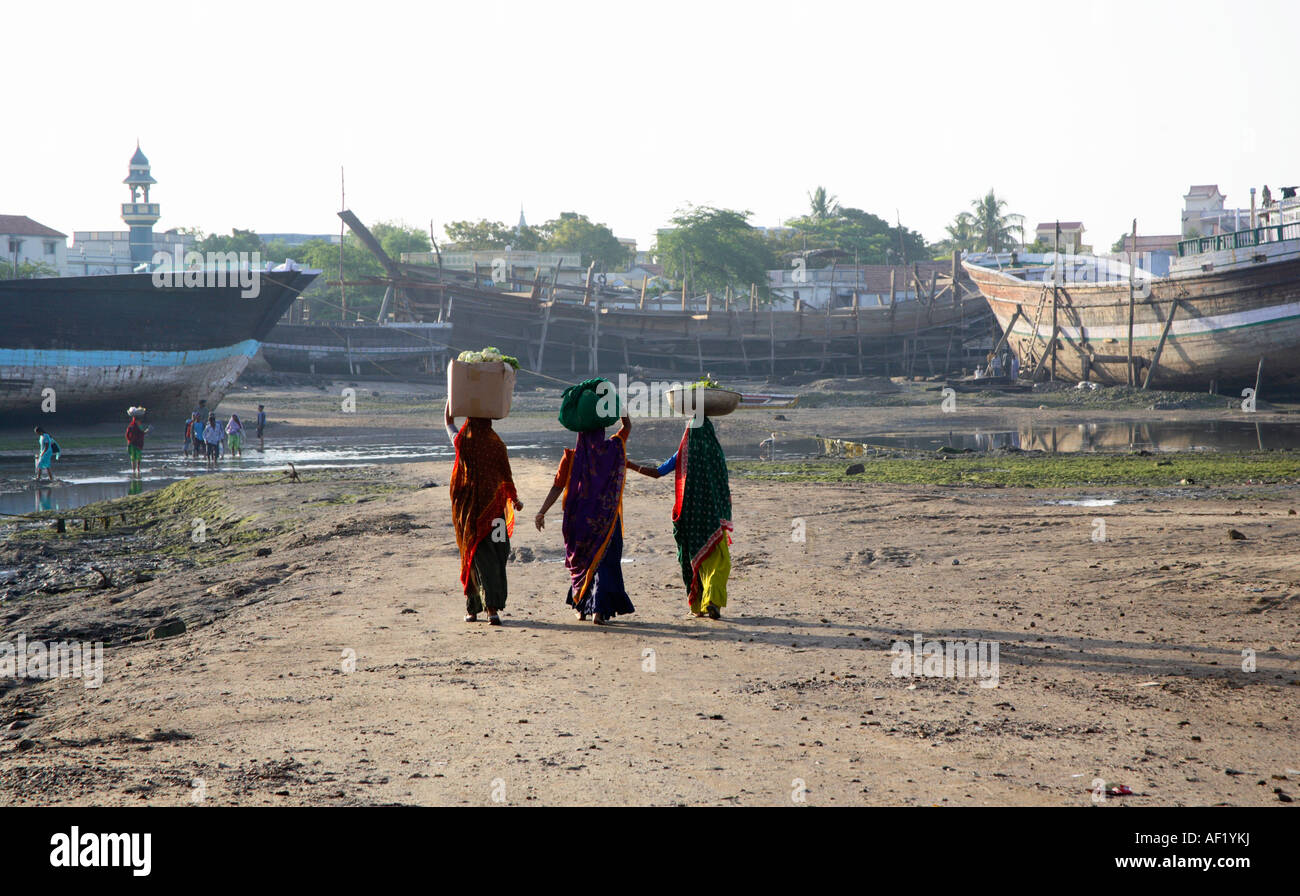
(961, 232)
(993, 228)
(823, 206)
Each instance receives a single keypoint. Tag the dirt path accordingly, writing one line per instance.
(1119, 660)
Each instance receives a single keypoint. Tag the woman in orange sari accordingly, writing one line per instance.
(483, 505)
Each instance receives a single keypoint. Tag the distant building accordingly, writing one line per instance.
(292, 240)
(635, 276)
(140, 214)
(26, 241)
(836, 284)
(1071, 236)
(1151, 253)
(96, 252)
(515, 265)
(1204, 212)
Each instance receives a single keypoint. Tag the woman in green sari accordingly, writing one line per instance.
(702, 518)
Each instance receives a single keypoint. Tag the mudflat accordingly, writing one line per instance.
(324, 660)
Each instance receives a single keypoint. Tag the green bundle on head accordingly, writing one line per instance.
(589, 406)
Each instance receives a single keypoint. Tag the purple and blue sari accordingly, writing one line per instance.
(593, 524)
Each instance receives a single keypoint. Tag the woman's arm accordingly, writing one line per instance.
(644, 471)
(450, 422)
(552, 496)
(668, 466)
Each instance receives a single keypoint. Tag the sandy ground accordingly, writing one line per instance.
(1120, 660)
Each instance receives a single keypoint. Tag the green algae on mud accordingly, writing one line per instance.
(1112, 398)
(1039, 471)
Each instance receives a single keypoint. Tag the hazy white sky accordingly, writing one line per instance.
(1091, 110)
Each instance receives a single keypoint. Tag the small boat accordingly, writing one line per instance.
(767, 400)
(1229, 306)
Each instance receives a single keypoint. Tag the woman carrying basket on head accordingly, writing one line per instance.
(702, 517)
(483, 505)
(591, 478)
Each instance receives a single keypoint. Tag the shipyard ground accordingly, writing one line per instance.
(1156, 651)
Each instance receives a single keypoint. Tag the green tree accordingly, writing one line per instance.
(961, 232)
(994, 227)
(277, 251)
(397, 238)
(821, 205)
(237, 241)
(572, 232)
(863, 236)
(325, 296)
(713, 248)
(466, 236)
(27, 270)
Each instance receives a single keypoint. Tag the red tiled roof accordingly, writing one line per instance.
(21, 225)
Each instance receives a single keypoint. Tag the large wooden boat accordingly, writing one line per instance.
(929, 328)
(1229, 307)
(93, 346)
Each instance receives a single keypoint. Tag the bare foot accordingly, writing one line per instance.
(597, 619)
(471, 617)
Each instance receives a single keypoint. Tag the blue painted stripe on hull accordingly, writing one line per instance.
(20, 357)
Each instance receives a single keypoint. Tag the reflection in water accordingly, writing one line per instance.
(86, 476)
(1213, 435)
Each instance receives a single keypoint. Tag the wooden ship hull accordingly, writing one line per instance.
(92, 346)
(572, 331)
(355, 349)
(916, 337)
(1220, 314)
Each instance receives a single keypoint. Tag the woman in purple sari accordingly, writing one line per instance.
(591, 478)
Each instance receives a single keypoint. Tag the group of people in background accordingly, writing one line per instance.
(210, 438)
(204, 439)
(591, 478)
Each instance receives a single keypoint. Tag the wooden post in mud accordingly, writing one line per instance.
(1132, 374)
(546, 322)
(771, 330)
(1006, 334)
(708, 303)
(1259, 369)
(1057, 255)
(683, 293)
(892, 292)
(753, 297)
(1160, 346)
(555, 277)
(1042, 359)
(595, 338)
(535, 294)
(641, 304)
(726, 300)
(586, 289)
